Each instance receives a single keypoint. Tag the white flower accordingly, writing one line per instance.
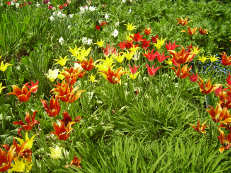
(92, 8)
(78, 66)
(71, 15)
(115, 33)
(37, 5)
(52, 74)
(82, 9)
(106, 16)
(84, 40)
(64, 15)
(51, 18)
(89, 41)
(16, 5)
(61, 40)
(117, 23)
(123, 1)
(130, 10)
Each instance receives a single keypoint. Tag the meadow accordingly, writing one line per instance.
(115, 86)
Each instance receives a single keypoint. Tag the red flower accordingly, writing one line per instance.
(65, 4)
(97, 27)
(228, 79)
(54, 107)
(62, 131)
(50, 7)
(150, 56)
(193, 77)
(33, 86)
(30, 123)
(8, 3)
(145, 44)
(133, 69)
(67, 118)
(109, 50)
(147, 31)
(171, 46)
(137, 37)
(60, 7)
(162, 57)
(76, 162)
(152, 71)
(22, 94)
(122, 45)
(154, 39)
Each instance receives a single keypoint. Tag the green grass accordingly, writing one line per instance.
(120, 131)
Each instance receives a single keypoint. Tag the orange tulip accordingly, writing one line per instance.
(54, 107)
(30, 122)
(22, 94)
(6, 157)
(226, 60)
(67, 93)
(62, 131)
(182, 56)
(182, 21)
(205, 88)
(218, 114)
(113, 76)
(199, 127)
(87, 65)
(191, 31)
(203, 31)
(76, 162)
(182, 72)
(225, 140)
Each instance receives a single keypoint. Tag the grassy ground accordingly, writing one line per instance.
(140, 125)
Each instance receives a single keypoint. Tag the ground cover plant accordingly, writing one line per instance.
(115, 86)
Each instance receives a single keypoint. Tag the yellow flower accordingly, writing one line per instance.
(61, 61)
(129, 55)
(100, 43)
(80, 53)
(133, 49)
(213, 58)
(92, 78)
(3, 66)
(60, 76)
(52, 74)
(159, 43)
(202, 59)
(56, 153)
(169, 61)
(195, 51)
(130, 26)
(1, 88)
(134, 76)
(105, 63)
(28, 142)
(20, 165)
(119, 58)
